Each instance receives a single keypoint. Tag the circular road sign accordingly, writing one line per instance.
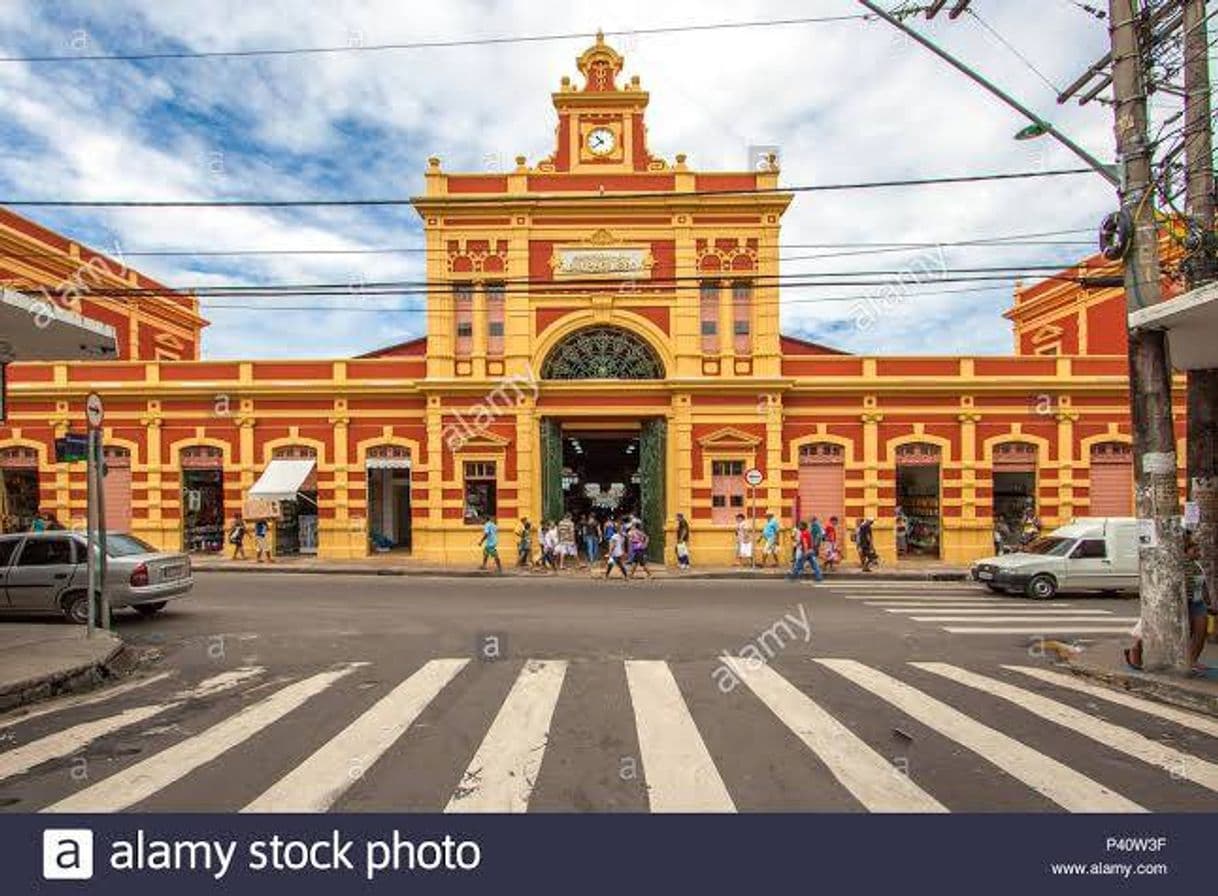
(753, 477)
(94, 412)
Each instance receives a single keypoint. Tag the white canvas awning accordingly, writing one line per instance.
(282, 479)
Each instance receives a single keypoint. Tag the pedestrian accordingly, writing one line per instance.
(549, 545)
(833, 551)
(866, 544)
(638, 541)
(236, 537)
(524, 543)
(39, 523)
(566, 540)
(805, 554)
(262, 545)
(817, 532)
(52, 522)
(769, 539)
(490, 544)
(682, 542)
(591, 533)
(744, 541)
(617, 548)
(1200, 607)
(901, 531)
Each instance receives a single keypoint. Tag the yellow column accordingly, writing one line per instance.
(337, 538)
(431, 540)
(1065, 461)
(528, 499)
(157, 531)
(773, 455)
(971, 538)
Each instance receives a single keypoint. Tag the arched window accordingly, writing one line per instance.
(602, 353)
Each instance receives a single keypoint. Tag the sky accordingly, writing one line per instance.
(844, 102)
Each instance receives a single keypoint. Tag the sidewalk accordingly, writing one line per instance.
(42, 660)
(1103, 663)
(402, 565)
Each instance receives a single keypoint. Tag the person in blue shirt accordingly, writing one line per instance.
(490, 544)
(769, 537)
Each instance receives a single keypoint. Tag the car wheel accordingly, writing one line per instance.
(1042, 587)
(150, 609)
(76, 607)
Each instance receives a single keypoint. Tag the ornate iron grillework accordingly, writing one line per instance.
(602, 353)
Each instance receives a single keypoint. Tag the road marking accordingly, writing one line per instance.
(138, 782)
(678, 769)
(1024, 630)
(1071, 790)
(69, 740)
(1112, 736)
(1054, 619)
(502, 774)
(85, 700)
(982, 609)
(871, 779)
(317, 783)
(930, 598)
(1197, 722)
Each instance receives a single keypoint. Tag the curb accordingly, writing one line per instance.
(272, 569)
(75, 679)
(1153, 687)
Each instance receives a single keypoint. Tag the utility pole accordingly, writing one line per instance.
(1199, 206)
(1164, 637)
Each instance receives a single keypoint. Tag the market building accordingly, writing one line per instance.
(602, 334)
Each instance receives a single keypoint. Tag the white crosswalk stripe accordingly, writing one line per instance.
(1066, 787)
(66, 742)
(503, 772)
(1112, 736)
(1057, 621)
(1044, 631)
(140, 781)
(1179, 716)
(316, 783)
(874, 781)
(680, 774)
(26, 714)
(679, 771)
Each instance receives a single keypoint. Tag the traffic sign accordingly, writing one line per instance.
(72, 447)
(753, 477)
(94, 412)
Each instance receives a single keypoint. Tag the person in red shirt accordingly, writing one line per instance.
(805, 554)
(833, 553)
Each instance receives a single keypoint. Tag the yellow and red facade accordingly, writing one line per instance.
(602, 234)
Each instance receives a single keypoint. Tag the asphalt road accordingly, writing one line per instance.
(362, 693)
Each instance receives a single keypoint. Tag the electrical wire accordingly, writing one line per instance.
(426, 44)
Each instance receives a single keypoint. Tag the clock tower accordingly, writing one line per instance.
(600, 125)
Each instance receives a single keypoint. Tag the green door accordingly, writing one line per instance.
(551, 469)
(653, 447)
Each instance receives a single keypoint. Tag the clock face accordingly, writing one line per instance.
(601, 141)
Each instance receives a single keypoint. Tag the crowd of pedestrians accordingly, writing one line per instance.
(620, 544)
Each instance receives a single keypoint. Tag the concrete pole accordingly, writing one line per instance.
(1158, 500)
(1199, 205)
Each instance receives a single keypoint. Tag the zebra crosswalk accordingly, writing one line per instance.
(966, 609)
(923, 736)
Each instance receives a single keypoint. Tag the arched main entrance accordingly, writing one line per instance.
(602, 353)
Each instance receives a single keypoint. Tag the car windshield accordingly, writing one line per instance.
(126, 545)
(1051, 546)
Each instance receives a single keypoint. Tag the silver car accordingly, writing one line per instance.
(46, 572)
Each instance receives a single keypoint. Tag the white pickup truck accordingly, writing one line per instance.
(1090, 554)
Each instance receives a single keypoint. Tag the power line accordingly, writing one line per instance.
(667, 195)
(1014, 50)
(356, 47)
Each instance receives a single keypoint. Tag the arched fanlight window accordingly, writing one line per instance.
(602, 353)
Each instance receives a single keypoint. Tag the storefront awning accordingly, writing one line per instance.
(282, 479)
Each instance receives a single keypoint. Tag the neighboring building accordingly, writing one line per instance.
(604, 334)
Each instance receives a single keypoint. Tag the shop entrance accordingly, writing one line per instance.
(615, 468)
(600, 474)
(388, 468)
(18, 488)
(918, 512)
(1014, 494)
(202, 499)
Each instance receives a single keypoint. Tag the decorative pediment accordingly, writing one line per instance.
(729, 437)
(1046, 333)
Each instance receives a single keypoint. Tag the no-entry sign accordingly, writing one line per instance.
(753, 477)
